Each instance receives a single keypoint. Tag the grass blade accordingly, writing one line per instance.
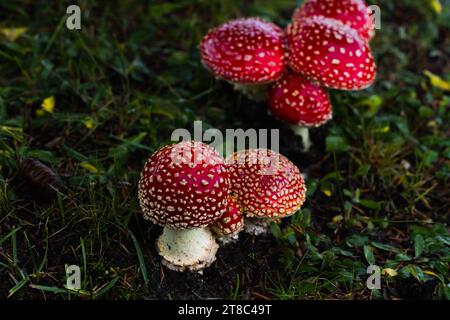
(19, 285)
(48, 289)
(140, 257)
(9, 235)
(98, 293)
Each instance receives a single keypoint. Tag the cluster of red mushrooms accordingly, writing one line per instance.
(200, 197)
(325, 46)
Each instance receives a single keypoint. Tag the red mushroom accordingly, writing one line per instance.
(266, 184)
(331, 53)
(303, 104)
(247, 52)
(231, 222)
(185, 188)
(353, 13)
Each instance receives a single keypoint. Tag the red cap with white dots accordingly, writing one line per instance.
(353, 13)
(245, 51)
(297, 101)
(232, 221)
(184, 186)
(331, 53)
(265, 183)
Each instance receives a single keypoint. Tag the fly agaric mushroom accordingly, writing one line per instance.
(266, 184)
(185, 188)
(331, 53)
(230, 224)
(248, 52)
(353, 13)
(300, 103)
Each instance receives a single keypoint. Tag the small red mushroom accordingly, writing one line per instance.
(303, 104)
(185, 188)
(331, 53)
(247, 52)
(353, 13)
(231, 222)
(266, 184)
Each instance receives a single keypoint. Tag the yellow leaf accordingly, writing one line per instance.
(89, 123)
(390, 272)
(12, 34)
(437, 81)
(431, 273)
(48, 104)
(384, 129)
(337, 219)
(327, 192)
(89, 167)
(431, 124)
(436, 6)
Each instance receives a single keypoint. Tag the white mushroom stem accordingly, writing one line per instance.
(187, 249)
(255, 92)
(304, 133)
(257, 226)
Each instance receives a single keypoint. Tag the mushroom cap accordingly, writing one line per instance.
(331, 53)
(232, 221)
(353, 13)
(265, 183)
(296, 100)
(246, 51)
(184, 185)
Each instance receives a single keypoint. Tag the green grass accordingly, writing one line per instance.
(378, 174)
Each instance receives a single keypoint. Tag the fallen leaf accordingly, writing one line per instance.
(390, 272)
(437, 81)
(89, 123)
(12, 34)
(431, 273)
(48, 104)
(89, 167)
(436, 6)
